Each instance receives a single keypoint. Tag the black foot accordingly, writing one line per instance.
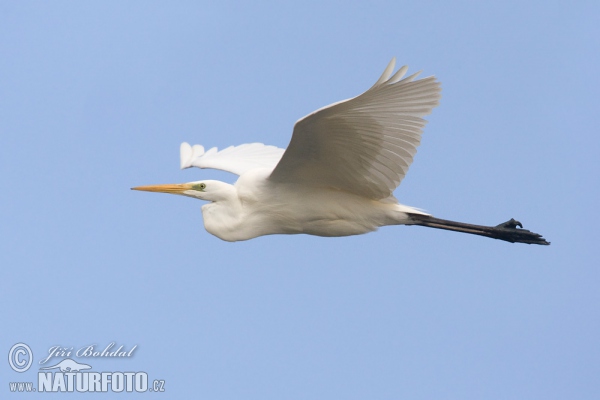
(509, 232)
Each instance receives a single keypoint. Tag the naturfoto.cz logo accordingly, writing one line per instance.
(69, 375)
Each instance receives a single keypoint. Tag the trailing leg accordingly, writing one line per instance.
(506, 231)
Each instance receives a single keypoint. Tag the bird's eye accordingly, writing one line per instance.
(200, 186)
(203, 186)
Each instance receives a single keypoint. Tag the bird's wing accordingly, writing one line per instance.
(363, 145)
(234, 159)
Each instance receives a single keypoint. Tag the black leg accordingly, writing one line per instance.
(506, 231)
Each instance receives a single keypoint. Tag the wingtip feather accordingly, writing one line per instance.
(412, 77)
(185, 155)
(398, 75)
(386, 73)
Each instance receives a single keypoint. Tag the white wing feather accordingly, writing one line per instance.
(234, 159)
(362, 145)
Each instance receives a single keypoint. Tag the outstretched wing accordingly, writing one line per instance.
(363, 145)
(234, 159)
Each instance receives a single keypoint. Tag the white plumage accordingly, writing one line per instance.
(234, 159)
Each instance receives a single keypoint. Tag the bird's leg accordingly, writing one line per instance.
(506, 231)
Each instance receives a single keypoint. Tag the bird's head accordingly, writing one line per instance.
(204, 190)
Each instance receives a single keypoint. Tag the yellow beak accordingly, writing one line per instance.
(174, 188)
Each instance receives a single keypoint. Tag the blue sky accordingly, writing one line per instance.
(95, 98)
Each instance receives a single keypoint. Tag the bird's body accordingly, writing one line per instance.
(337, 176)
(256, 206)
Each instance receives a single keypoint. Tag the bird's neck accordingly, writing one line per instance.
(223, 218)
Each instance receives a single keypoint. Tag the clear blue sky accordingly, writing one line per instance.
(96, 96)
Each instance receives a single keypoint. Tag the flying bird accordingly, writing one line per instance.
(337, 176)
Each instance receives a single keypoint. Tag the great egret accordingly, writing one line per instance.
(337, 175)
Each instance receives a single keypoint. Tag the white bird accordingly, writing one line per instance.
(337, 176)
